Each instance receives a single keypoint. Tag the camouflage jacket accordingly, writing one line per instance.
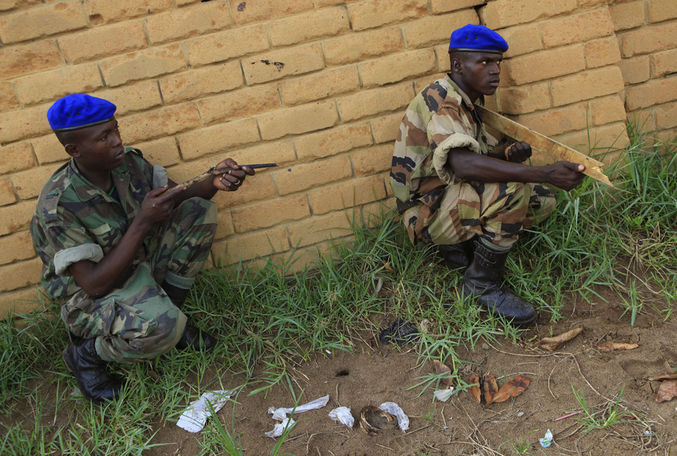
(74, 220)
(439, 118)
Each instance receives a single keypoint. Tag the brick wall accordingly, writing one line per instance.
(318, 86)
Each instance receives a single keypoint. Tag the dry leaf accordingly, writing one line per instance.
(490, 388)
(551, 343)
(444, 371)
(667, 391)
(664, 376)
(514, 388)
(373, 419)
(475, 388)
(611, 346)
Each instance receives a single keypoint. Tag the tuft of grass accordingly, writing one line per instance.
(611, 416)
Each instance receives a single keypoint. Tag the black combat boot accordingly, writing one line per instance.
(457, 256)
(483, 280)
(91, 372)
(192, 337)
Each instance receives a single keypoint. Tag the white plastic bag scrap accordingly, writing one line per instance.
(281, 413)
(343, 416)
(278, 430)
(445, 394)
(546, 441)
(394, 409)
(193, 419)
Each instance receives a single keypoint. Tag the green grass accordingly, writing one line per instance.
(269, 319)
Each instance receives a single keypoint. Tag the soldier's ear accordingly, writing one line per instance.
(72, 150)
(456, 64)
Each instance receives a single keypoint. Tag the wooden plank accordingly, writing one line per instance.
(549, 147)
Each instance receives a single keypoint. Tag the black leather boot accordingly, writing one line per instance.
(483, 280)
(176, 294)
(457, 256)
(196, 339)
(91, 372)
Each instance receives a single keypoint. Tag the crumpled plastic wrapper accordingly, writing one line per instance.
(394, 409)
(547, 440)
(444, 394)
(278, 430)
(343, 416)
(280, 414)
(193, 419)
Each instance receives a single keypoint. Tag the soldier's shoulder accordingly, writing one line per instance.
(59, 183)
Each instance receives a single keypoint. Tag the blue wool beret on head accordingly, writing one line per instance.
(73, 112)
(477, 38)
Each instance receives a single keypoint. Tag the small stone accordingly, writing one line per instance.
(520, 414)
(485, 347)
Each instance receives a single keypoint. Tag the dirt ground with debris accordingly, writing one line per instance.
(461, 426)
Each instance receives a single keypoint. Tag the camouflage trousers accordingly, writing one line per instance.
(498, 212)
(137, 321)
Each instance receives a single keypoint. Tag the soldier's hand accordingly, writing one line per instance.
(233, 179)
(565, 175)
(157, 207)
(518, 152)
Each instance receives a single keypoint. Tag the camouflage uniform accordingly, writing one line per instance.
(437, 206)
(75, 220)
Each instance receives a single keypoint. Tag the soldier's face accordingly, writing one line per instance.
(98, 148)
(480, 72)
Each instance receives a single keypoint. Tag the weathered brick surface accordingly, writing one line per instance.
(42, 21)
(104, 11)
(652, 93)
(201, 82)
(48, 149)
(602, 52)
(20, 302)
(435, 29)
(219, 46)
(544, 65)
(16, 247)
(577, 28)
(189, 21)
(318, 229)
(386, 128)
(602, 138)
(243, 103)
(627, 15)
(249, 246)
(6, 5)
(8, 99)
(254, 189)
(280, 152)
(320, 85)
(20, 274)
(225, 225)
(218, 138)
(332, 142)
(649, 39)
(666, 116)
(361, 46)
(586, 85)
(49, 86)
(635, 70)
(143, 64)
(524, 99)
(557, 121)
(661, 10)
(444, 6)
(373, 160)
(28, 184)
(373, 13)
(104, 41)
(522, 39)
(664, 63)
(164, 151)
(23, 124)
(16, 157)
(7, 195)
(161, 122)
(278, 64)
(308, 26)
(270, 213)
(29, 58)
(504, 13)
(244, 12)
(16, 217)
(302, 119)
(607, 110)
(347, 194)
(397, 67)
(133, 97)
(375, 101)
(309, 175)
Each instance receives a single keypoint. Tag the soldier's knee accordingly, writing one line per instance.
(167, 332)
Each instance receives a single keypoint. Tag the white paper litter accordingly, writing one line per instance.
(546, 441)
(445, 394)
(281, 413)
(343, 415)
(278, 430)
(193, 419)
(394, 409)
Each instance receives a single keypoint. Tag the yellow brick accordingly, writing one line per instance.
(23, 124)
(320, 85)
(270, 213)
(544, 65)
(8, 98)
(522, 39)
(28, 184)
(48, 86)
(319, 229)
(444, 6)
(433, 30)
(254, 189)
(607, 110)
(649, 39)
(16, 157)
(6, 5)
(557, 121)
(295, 121)
(245, 12)
(42, 21)
(225, 227)
(504, 13)
(373, 214)
(586, 85)
(19, 275)
(666, 136)
(357, 47)
(662, 10)
(218, 138)
(249, 246)
(351, 193)
(652, 93)
(163, 152)
(386, 128)
(29, 58)
(332, 142)
(16, 247)
(602, 52)
(280, 152)
(200, 82)
(635, 70)
(219, 46)
(397, 67)
(16, 217)
(158, 123)
(309, 26)
(524, 99)
(627, 15)
(7, 195)
(143, 65)
(105, 11)
(643, 120)
(612, 136)
(21, 302)
(443, 59)
(189, 21)
(133, 97)
(373, 160)
(376, 101)
(309, 175)
(578, 28)
(279, 64)
(666, 116)
(242, 103)
(103, 41)
(664, 63)
(374, 13)
(425, 81)
(325, 3)
(590, 4)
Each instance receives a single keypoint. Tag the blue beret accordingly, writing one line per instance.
(477, 38)
(73, 112)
